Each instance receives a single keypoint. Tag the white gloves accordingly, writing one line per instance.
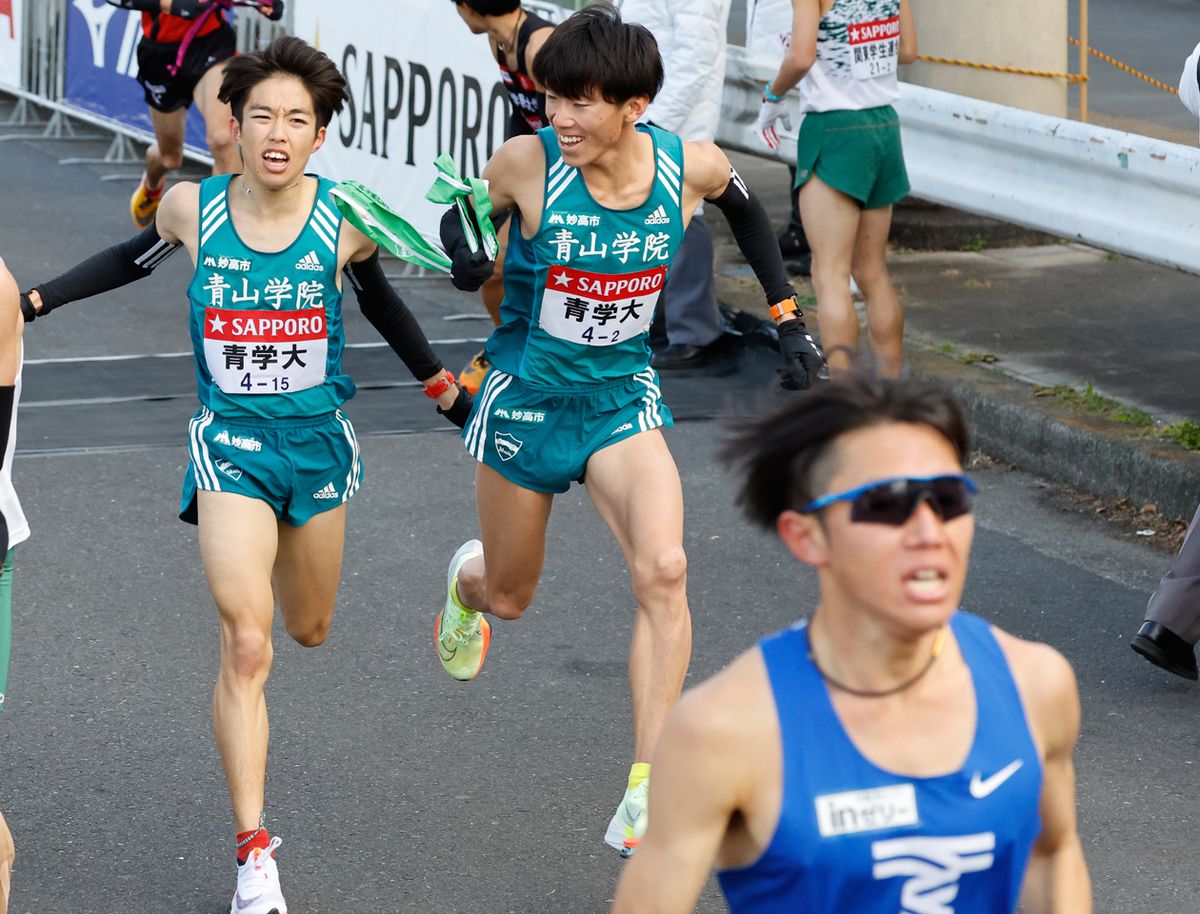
(769, 115)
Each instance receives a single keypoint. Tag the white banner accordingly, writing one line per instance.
(11, 15)
(421, 84)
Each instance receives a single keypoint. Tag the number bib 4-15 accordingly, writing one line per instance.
(264, 352)
(874, 48)
(599, 309)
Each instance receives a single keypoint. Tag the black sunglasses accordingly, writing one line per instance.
(893, 501)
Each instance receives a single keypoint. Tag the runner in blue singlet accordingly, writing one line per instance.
(599, 206)
(891, 755)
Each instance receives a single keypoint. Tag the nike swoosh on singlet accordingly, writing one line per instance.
(982, 787)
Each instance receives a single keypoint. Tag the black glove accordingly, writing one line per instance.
(801, 355)
(468, 271)
(27, 310)
(190, 9)
(276, 9)
(460, 409)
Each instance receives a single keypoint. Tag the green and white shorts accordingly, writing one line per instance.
(300, 467)
(541, 438)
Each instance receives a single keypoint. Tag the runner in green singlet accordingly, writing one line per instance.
(599, 205)
(273, 457)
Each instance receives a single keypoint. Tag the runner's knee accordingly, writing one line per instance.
(660, 573)
(246, 651)
(220, 143)
(309, 633)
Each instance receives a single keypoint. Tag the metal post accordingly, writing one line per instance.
(1083, 60)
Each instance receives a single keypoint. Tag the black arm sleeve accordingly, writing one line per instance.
(112, 268)
(390, 316)
(752, 230)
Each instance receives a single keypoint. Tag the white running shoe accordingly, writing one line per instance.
(462, 638)
(258, 884)
(629, 822)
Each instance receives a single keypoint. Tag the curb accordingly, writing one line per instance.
(1051, 440)
(1037, 435)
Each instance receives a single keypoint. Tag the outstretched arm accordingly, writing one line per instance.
(391, 317)
(175, 226)
(709, 174)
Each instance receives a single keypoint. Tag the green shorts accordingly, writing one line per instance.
(300, 467)
(5, 623)
(856, 152)
(541, 438)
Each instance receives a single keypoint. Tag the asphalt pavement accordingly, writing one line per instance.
(394, 788)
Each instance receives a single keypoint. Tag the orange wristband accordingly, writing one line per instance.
(787, 306)
(439, 387)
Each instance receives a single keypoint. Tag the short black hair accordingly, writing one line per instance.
(490, 7)
(594, 50)
(286, 56)
(780, 456)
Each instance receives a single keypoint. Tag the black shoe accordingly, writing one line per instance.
(681, 356)
(1164, 648)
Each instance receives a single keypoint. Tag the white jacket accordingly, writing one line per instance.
(768, 29)
(691, 36)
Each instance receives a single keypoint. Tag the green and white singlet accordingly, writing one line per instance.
(267, 327)
(580, 295)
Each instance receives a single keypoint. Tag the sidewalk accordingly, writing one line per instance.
(1016, 330)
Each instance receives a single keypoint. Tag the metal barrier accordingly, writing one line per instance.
(1114, 190)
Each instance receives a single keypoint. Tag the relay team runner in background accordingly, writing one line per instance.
(181, 56)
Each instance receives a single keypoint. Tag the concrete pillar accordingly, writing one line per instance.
(1031, 34)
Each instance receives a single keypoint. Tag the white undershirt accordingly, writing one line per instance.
(18, 527)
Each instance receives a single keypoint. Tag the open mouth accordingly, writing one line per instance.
(275, 160)
(569, 142)
(926, 584)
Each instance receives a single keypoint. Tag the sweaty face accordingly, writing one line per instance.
(586, 127)
(910, 577)
(278, 132)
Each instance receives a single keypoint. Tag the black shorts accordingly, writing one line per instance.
(165, 92)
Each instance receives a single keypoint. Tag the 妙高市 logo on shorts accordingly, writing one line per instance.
(506, 445)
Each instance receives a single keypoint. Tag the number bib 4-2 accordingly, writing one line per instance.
(874, 47)
(599, 309)
(265, 352)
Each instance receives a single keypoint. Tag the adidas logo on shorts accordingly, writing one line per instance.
(658, 217)
(327, 492)
(311, 262)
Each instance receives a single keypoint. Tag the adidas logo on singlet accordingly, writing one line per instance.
(658, 217)
(327, 492)
(310, 261)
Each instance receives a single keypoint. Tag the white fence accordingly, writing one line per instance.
(1114, 190)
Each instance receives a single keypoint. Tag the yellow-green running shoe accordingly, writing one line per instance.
(629, 822)
(461, 637)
